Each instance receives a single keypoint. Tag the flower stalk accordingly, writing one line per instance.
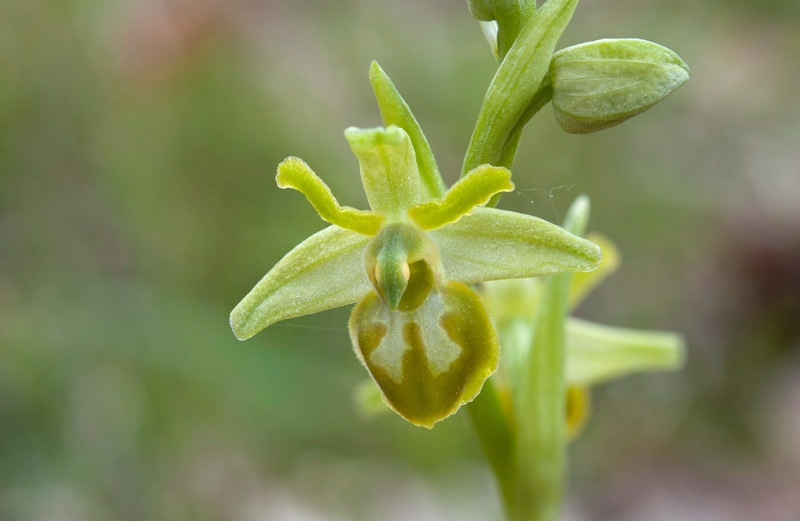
(540, 456)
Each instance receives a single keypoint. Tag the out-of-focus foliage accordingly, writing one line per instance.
(138, 147)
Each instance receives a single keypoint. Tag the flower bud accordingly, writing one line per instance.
(600, 84)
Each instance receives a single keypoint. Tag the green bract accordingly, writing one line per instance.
(512, 96)
(421, 332)
(508, 17)
(600, 84)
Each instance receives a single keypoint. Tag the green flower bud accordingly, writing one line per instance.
(600, 84)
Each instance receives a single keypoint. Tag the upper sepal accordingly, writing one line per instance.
(508, 18)
(325, 271)
(430, 361)
(395, 111)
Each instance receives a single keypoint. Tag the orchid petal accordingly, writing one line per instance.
(579, 400)
(388, 169)
(431, 361)
(583, 283)
(472, 190)
(293, 172)
(596, 353)
(323, 272)
(493, 244)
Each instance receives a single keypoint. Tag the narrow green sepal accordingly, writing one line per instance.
(600, 84)
(293, 172)
(472, 190)
(395, 111)
(388, 169)
(517, 82)
(492, 244)
(584, 282)
(597, 353)
(323, 272)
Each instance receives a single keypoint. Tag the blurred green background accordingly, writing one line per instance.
(138, 145)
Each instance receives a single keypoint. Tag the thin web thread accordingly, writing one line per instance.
(551, 194)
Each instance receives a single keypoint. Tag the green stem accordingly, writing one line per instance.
(492, 427)
(539, 465)
(539, 461)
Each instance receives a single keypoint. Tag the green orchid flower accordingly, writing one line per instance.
(419, 329)
(595, 353)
